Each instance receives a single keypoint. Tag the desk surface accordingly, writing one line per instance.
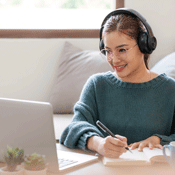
(95, 168)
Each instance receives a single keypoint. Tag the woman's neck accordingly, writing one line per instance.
(137, 76)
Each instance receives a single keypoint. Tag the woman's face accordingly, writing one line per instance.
(123, 55)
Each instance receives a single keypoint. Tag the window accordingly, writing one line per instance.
(53, 17)
(53, 14)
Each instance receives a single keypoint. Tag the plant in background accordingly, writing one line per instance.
(13, 158)
(34, 162)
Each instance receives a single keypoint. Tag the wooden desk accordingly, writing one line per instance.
(97, 168)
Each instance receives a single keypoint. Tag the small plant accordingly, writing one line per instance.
(13, 158)
(34, 162)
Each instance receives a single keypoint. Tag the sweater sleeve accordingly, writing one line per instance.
(167, 139)
(83, 125)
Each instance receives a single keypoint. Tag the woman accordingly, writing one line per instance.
(133, 102)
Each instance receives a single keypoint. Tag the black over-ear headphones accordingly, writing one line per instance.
(146, 40)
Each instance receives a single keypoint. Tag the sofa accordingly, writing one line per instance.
(55, 70)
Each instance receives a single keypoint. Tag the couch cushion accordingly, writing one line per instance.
(74, 69)
(61, 121)
(166, 65)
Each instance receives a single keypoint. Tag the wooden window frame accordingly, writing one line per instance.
(60, 33)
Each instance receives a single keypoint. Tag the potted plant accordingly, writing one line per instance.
(13, 158)
(35, 164)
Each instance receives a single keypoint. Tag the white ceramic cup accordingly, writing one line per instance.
(170, 159)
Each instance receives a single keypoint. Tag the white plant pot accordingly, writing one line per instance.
(19, 171)
(40, 172)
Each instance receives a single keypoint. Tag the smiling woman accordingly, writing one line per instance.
(53, 18)
(135, 103)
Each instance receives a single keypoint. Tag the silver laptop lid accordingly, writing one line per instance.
(28, 125)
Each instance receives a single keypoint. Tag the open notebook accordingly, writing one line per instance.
(147, 157)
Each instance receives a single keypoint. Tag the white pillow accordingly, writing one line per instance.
(74, 69)
(166, 65)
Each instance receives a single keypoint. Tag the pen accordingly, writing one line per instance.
(106, 130)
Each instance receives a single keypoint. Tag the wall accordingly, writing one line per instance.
(160, 14)
(28, 66)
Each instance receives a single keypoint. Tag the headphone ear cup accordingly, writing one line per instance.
(101, 45)
(152, 43)
(143, 42)
(146, 43)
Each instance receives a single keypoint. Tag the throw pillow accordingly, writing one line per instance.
(75, 67)
(166, 65)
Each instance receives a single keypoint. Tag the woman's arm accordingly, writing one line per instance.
(167, 139)
(83, 125)
(157, 140)
(83, 133)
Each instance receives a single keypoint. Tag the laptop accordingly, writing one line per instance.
(29, 125)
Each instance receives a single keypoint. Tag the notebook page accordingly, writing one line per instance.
(155, 155)
(135, 155)
(128, 158)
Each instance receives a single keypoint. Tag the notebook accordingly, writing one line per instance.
(29, 125)
(147, 157)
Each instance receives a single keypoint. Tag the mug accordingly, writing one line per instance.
(170, 158)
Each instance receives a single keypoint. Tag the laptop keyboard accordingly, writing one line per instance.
(65, 162)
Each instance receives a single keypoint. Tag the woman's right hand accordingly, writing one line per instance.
(109, 146)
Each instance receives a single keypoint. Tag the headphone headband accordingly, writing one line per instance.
(129, 12)
(151, 43)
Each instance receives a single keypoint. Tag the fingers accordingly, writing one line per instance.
(117, 141)
(116, 144)
(135, 145)
(122, 138)
(159, 146)
(111, 147)
(151, 146)
(142, 144)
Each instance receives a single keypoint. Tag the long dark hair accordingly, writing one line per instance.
(127, 24)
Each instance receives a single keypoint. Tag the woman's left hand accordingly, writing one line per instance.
(151, 142)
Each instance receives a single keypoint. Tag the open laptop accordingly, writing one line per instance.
(29, 125)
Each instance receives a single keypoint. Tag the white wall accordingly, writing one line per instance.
(28, 66)
(160, 14)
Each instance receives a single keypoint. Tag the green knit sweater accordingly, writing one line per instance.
(134, 110)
